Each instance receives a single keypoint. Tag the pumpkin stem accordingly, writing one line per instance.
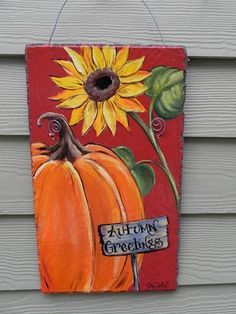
(67, 146)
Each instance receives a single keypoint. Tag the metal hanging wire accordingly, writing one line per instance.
(144, 3)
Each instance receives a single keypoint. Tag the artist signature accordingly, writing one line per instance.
(157, 285)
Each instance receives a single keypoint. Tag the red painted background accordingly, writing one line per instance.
(159, 269)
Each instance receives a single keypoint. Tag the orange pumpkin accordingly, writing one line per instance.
(77, 188)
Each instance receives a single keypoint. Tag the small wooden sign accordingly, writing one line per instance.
(141, 236)
(135, 237)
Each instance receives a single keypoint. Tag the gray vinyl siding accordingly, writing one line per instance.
(207, 256)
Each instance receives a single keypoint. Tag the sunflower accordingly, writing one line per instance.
(101, 87)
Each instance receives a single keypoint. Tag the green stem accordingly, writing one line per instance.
(163, 165)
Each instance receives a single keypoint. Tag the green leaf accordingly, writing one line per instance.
(144, 176)
(166, 85)
(126, 155)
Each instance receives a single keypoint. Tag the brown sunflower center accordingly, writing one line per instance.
(102, 84)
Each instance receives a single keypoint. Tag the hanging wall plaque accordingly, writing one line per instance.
(106, 129)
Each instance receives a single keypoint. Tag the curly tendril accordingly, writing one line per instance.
(54, 126)
(158, 126)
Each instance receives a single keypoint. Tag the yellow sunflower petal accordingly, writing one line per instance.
(78, 61)
(77, 115)
(88, 59)
(121, 117)
(131, 90)
(121, 58)
(99, 124)
(131, 67)
(70, 69)
(67, 93)
(90, 114)
(98, 57)
(109, 55)
(74, 102)
(129, 104)
(67, 82)
(109, 115)
(137, 77)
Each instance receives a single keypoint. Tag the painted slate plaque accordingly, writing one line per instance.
(106, 128)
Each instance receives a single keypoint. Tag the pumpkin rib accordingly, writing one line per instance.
(104, 210)
(100, 282)
(82, 185)
(103, 173)
(37, 194)
(120, 174)
(91, 225)
(92, 228)
(46, 280)
(41, 167)
(67, 229)
(125, 275)
(90, 221)
(117, 195)
(38, 160)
